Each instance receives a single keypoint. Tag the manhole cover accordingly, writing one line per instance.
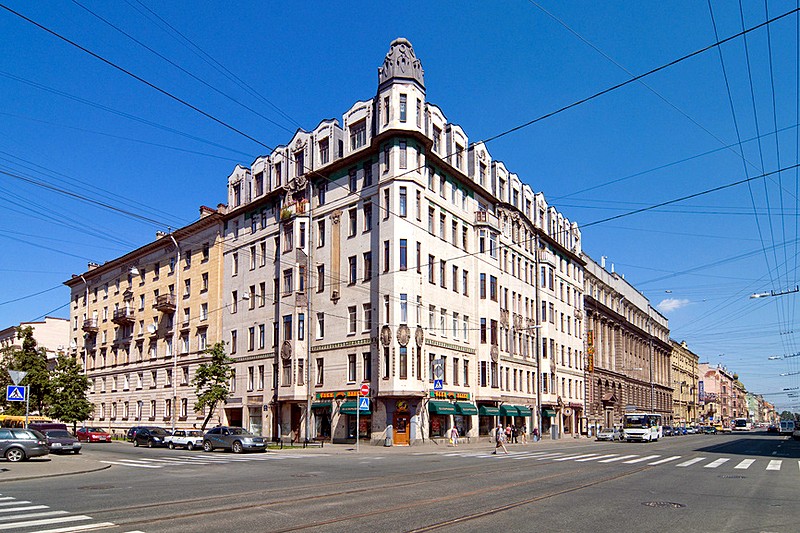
(732, 477)
(97, 487)
(671, 505)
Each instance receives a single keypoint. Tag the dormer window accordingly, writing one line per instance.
(299, 163)
(237, 194)
(385, 110)
(324, 151)
(358, 135)
(437, 139)
(259, 183)
(403, 114)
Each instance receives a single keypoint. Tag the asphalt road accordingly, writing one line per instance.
(741, 482)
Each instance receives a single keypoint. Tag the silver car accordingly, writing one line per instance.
(611, 434)
(22, 444)
(233, 438)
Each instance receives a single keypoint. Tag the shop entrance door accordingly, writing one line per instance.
(400, 429)
(296, 416)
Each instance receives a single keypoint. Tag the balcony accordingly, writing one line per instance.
(165, 303)
(90, 325)
(485, 218)
(123, 316)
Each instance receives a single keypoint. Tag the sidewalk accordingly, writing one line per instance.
(48, 466)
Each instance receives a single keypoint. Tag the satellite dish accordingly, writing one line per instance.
(73, 344)
(151, 328)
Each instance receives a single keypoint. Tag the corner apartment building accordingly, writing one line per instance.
(140, 323)
(628, 350)
(387, 250)
(51, 334)
(684, 383)
(718, 395)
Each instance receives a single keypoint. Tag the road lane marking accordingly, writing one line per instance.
(690, 462)
(576, 457)
(44, 521)
(620, 458)
(25, 508)
(646, 458)
(596, 458)
(15, 502)
(84, 527)
(745, 464)
(774, 464)
(549, 456)
(34, 515)
(717, 463)
(120, 463)
(666, 460)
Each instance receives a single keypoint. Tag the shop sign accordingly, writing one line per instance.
(448, 395)
(334, 395)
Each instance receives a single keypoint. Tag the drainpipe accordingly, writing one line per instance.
(174, 413)
(537, 335)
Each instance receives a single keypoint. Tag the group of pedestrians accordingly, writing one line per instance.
(510, 434)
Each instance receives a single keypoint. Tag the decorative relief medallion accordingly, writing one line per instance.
(386, 335)
(494, 353)
(419, 336)
(286, 350)
(403, 335)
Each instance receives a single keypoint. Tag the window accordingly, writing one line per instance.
(483, 331)
(454, 280)
(367, 266)
(234, 264)
(367, 308)
(351, 367)
(301, 326)
(403, 254)
(320, 278)
(493, 288)
(320, 325)
(419, 205)
(442, 273)
(386, 204)
(403, 362)
(386, 257)
(437, 139)
(387, 153)
(431, 269)
(351, 319)
(465, 282)
(262, 334)
(322, 188)
(204, 282)
(352, 179)
(386, 363)
(403, 308)
(385, 110)
(403, 202)
(324, 152)
(431, 217)
(419, 112)
(367, 360)
(234, 339)
(352, 222)
(403, 99)
(403, 154)
(320, 233)
(459, 153)
(302, 235)
(287, 327)
(351, 261)
(234, 301)
(419, 257)
(288, 281)
(320, 371)
(358, 135)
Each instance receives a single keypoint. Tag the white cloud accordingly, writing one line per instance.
(672, 304)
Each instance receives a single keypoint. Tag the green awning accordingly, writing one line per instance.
(487, 410)
(441, 407)
(509, 410)
(320, 405)
(466, 408)
(350, 408)
(548, 412)
(524, 411)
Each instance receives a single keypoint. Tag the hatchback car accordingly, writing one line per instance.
(233, 438)
(611, 434)
(150, 436)
(61, 441)
(22, 444)
(87, 434)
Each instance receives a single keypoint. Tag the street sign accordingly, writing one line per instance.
(15, 393)
(438, 369)
(17, 376)
(365, 389)
(363, 404)
(438, 384)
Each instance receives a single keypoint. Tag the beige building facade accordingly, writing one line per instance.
(51, 334)
(140, 323)
(684, 381)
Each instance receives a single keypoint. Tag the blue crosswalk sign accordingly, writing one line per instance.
(363, 403)
(438, 384)
(15, 393)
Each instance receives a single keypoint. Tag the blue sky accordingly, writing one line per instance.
(73, 122)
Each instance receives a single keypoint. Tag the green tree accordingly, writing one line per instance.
(32, 360)
(787, 415)
(211, 381)
(66, 399)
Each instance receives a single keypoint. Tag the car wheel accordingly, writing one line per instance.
(189, 446)
(150, 443)
(135, 443)
(171, 446)
(207, 447)
(15, 455)
(76, 452)
(237, 447)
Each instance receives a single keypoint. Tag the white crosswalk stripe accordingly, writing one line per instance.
(642, 459)
(690, 462)
(596, 458)
(717, 463)
(205, 459)
(615, 459)
(25, 516)
(573, 457)
(774, 464)
(665, 460)
(745, 464)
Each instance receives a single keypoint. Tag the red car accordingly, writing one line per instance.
(85, 434)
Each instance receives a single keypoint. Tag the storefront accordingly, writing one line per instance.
(357, 419)
(487, 419)
(548, 420)
(463, 417)
(440, 412)
(322, 420)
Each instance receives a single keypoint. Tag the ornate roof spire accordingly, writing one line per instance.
(402, 63)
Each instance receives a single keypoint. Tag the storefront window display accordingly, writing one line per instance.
(365, 426)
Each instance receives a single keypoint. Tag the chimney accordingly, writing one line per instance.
(160, 234)
(92, 265)
(603, 261)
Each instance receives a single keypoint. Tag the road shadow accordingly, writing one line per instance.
(766, 445)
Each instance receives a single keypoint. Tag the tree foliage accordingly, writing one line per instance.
(66, 399)
(211, 381)
(32, 360)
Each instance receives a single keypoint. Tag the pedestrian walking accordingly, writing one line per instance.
(499, 439)
(535, 434)
(514, 434)
(523, 433)
(454, 436)
(508, 433)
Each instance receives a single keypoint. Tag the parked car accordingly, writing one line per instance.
(709, 430)
(150, 436)
(787, 427)
(18, 444)
(691, 430)
(57, 436)
(132, 432)
(182, 438)
(667, 431)
(773, 429)
(87, 434)
(233, 438)
(611, 434)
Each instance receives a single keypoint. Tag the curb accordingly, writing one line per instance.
(53, 474)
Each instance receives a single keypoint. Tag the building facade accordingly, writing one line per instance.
(386, 250)
(50, 334)
(628, 361)
(141, 322)
(684, 383)
(717, 394)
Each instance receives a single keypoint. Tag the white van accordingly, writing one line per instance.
(787, 427)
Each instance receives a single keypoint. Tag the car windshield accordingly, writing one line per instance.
(194, 433)
(635, 422)
(239, 431)
(59, 434)
(95, 430)
(159, 432)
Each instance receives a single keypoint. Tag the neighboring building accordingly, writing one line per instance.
(141, 322)
(738, 399)
(386, 250)
(684, 383)
(717, 395)
(628, 350)
(52, 334)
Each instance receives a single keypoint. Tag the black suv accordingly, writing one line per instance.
(149, 436)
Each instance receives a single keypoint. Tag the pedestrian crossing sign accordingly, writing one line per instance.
(15, 393)
(363, 403)
(438, 384)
